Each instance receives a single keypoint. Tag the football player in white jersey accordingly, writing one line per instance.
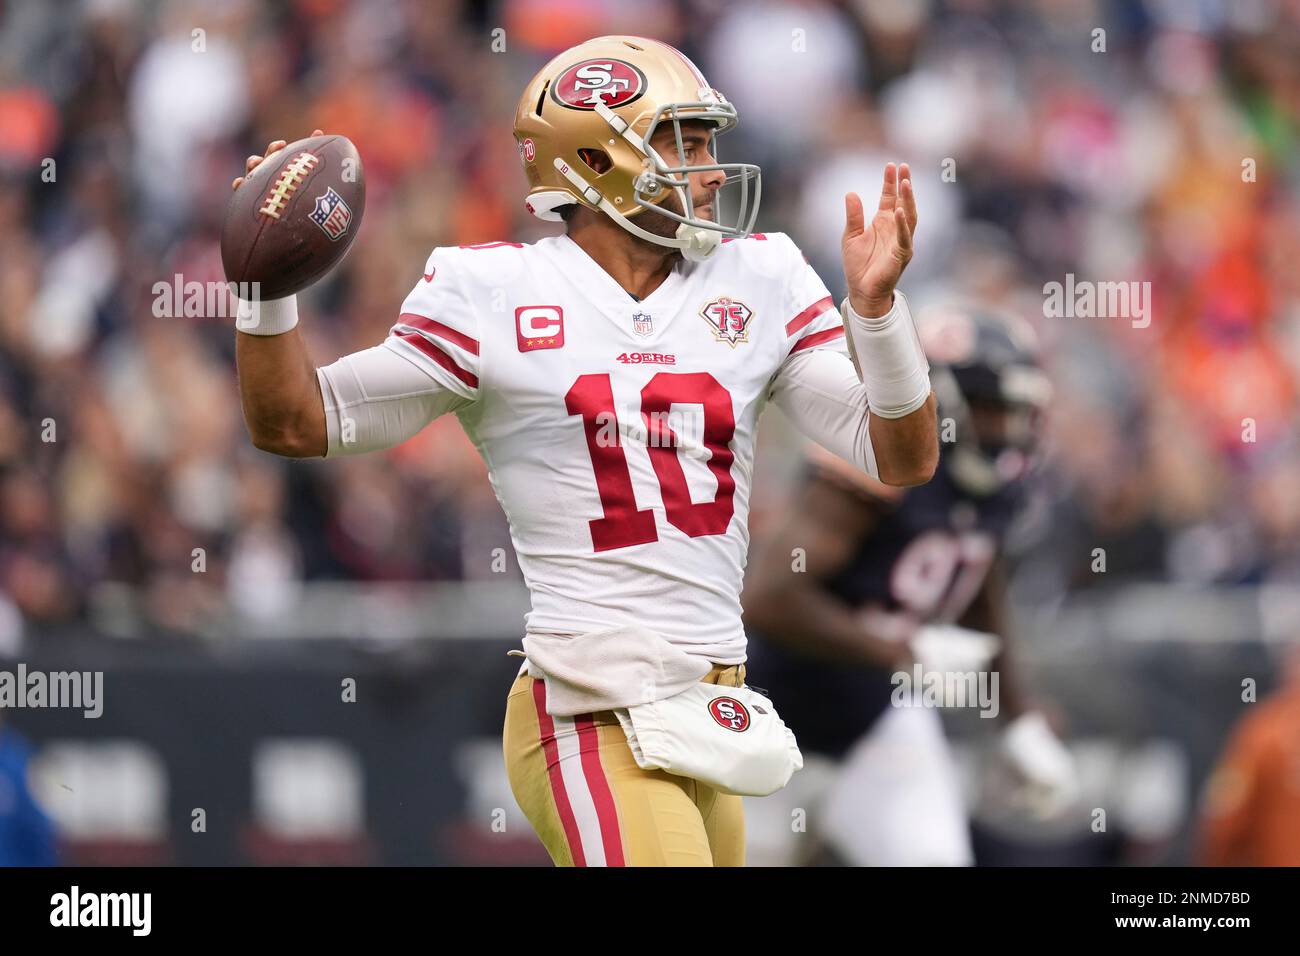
(612, 379)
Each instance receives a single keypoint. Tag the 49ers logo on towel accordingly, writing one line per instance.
(614, 83)
(730, 713)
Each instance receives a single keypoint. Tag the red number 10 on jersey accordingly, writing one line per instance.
(623, 524)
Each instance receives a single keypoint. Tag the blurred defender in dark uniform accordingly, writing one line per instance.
(863, 582)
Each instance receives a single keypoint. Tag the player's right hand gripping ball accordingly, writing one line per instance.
(293, 218)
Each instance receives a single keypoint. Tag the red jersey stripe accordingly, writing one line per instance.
(817, 338)
(808, 314)
(434, 327)
(439, 356)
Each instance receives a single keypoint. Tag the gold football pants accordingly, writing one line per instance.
(578, 784)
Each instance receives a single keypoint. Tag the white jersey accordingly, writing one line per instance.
(619, 434)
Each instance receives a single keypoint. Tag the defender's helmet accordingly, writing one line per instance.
(609, 95)
(987, 378)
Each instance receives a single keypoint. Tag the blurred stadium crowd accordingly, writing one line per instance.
(1169, 157)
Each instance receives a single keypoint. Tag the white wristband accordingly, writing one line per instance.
(890, 361)
(266, 318)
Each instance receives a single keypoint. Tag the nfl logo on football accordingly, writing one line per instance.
(332, 214)
(642, 324)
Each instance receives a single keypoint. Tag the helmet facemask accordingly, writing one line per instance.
(659, 175)
(697, 238)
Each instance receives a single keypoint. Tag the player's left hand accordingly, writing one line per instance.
(1042, 761)
(877, 252)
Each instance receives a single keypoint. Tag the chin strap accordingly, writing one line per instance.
(699, 243)
(695, 243)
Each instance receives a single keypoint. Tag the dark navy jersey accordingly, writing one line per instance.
(926, 557)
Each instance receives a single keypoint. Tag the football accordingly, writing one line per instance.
(294, 217)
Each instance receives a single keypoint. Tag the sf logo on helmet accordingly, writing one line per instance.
(585, 85)
(730, 713)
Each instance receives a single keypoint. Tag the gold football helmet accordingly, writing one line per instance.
(609, 95)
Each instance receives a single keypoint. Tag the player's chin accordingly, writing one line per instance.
(664, 226)
(657, 224)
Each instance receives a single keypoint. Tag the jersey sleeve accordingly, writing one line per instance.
(819, 391)
(437, 328)
(376, 399)
(816, 385)
(812, 319)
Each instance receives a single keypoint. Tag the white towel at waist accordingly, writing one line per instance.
(610, 669)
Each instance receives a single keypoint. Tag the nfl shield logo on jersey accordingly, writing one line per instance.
(642, 324)
(332, 214)
(729, 319)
